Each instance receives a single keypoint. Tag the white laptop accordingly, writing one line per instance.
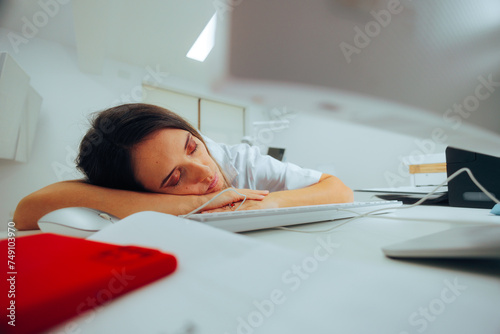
(457, 242)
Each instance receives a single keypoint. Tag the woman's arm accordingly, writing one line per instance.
(329, 189)
(119, 203)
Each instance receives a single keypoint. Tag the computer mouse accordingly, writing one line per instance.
(496, 209)
(75, 221)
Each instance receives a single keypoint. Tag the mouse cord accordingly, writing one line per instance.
(423, 199)
(213, 199)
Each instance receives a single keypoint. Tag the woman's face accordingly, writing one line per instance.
(173, 161)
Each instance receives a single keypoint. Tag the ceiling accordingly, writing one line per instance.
(440, 58)
(156, 33)
(430, 55)
(444, 39)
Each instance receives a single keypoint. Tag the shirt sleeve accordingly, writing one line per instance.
(248, 168)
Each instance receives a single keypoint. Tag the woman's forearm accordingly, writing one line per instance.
(328, 190)
(119, 203)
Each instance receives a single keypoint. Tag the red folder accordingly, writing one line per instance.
(51, 278)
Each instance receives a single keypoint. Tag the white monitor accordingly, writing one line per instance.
(429, 69)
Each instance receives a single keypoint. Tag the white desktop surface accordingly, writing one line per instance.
(362, 239)
(353, 289)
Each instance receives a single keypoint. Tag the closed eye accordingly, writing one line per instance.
(174, 179)
(192, 147)
(176, 176)
(195, 148)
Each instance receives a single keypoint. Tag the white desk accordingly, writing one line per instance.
(362, 239)
(353, 289)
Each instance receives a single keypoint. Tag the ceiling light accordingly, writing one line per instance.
(205, 42)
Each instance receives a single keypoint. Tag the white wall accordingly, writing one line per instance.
(68, 96)
(362, 157)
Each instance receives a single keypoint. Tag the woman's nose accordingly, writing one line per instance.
(199, 171)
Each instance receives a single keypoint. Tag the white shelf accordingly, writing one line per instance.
(19, 108)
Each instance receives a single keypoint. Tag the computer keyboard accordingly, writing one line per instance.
(248, 220)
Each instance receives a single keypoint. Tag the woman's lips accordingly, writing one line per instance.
(214, 183)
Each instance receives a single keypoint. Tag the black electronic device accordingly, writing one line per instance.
(462, 192)
(276, 152)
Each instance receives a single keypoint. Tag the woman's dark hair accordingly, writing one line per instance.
(104, 155)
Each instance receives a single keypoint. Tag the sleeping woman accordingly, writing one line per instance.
(141, 157)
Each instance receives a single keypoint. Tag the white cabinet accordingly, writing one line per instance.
(182, 104)
(222, 122)
(19, 108)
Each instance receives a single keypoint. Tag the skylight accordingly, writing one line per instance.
(205, 42)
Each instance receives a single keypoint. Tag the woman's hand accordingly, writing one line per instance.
(250, 204)
(329, 189)
(229, 197)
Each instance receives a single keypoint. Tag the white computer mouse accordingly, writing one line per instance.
(75, 221)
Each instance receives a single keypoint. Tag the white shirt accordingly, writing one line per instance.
(247, 168)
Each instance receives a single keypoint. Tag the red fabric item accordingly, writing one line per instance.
(51, 278)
